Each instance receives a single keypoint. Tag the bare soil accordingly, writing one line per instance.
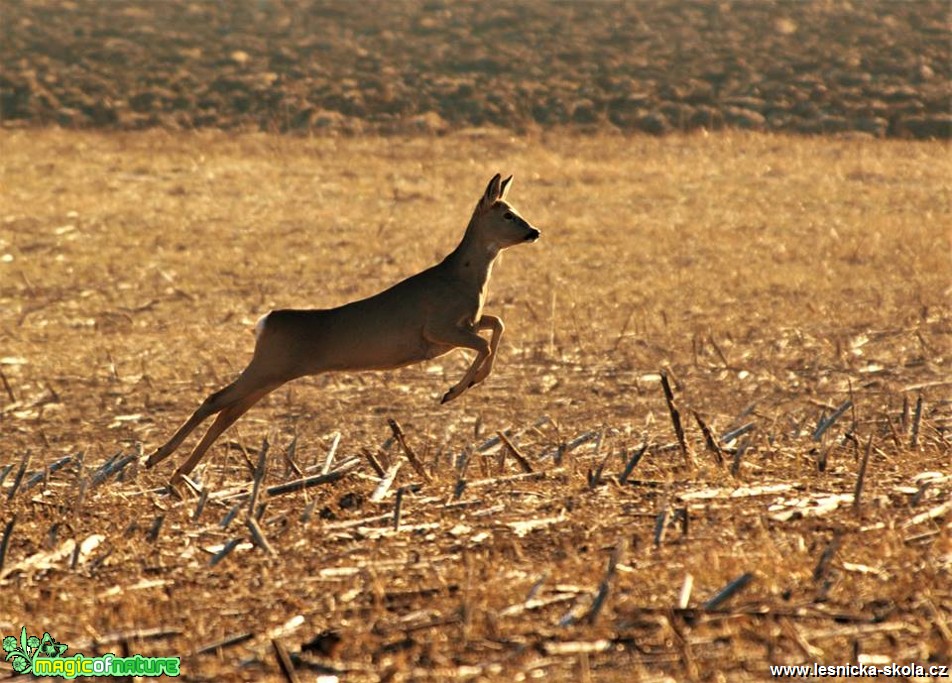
(876, 68)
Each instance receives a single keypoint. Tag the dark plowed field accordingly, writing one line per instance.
(878, 68)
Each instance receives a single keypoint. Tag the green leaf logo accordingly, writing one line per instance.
(24, 652)
(50, 648)
(19, 654)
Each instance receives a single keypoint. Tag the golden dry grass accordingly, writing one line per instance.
(774, 278)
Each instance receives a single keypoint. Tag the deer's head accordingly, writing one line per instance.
(496, 223)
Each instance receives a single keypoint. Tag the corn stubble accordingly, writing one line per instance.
(792, 292)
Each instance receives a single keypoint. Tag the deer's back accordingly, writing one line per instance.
(380, 332)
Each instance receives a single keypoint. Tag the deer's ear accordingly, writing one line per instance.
(492, 192)
(504, 187)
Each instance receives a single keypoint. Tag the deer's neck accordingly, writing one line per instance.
(472, 261)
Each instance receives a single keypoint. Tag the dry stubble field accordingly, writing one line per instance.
(773, 279)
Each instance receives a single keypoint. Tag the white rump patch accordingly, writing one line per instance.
(259, 326)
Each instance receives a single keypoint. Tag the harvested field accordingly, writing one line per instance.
(793, 291)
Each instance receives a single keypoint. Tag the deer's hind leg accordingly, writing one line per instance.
(252, 380)
(212, 404)
(225, 419)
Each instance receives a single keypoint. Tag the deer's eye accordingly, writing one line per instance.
(508, 216)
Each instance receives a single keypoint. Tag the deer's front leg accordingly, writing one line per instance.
(489, 322)
(461, 337)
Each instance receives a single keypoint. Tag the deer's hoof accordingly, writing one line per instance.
(157, 456)
(180, 487)
(450, 395)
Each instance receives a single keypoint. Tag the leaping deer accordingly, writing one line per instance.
(422, 317)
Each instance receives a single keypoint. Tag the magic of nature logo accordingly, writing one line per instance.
(46, 657)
